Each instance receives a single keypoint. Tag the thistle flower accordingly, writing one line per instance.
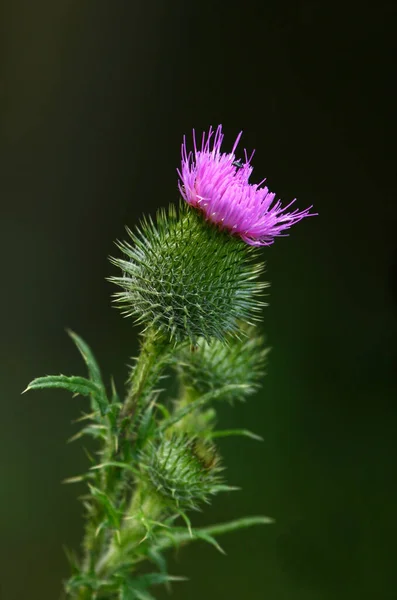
(218, 185)
(187, 280)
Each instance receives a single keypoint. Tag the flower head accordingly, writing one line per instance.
(218, 184)
(188, 280)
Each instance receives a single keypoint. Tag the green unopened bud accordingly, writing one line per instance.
(240, 362)
(182, 471)
(187, 279)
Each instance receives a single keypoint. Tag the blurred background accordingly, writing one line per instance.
(95, 97)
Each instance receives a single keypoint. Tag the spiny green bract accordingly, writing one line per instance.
(183, 471)
(241, 361)
(188, 279)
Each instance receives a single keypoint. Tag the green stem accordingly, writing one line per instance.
(153, 356)
(145, 508)
(144, 374)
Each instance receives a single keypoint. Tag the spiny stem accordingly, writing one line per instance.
(144, 508)
(144, 375)
(151, 360)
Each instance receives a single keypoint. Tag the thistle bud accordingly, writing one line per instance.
(240, 362)
(187, 279)
(184, 472)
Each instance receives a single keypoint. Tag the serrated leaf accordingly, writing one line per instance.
(94, 430)
(100, 527)
(115, 399)
(73, 384)
(111, 512)
(146, 426)
(140, 595)
(99, 400)
(72, 559)
(200, 403)
(114, 463)
(85, 417)
(187, 521)
(163, 410)
(179, 535)
(202, 535)
(89, 359)
(85, 580)
(229, 432)
(76, 479)
(142, 582)
(158, 559)
(137, 588)
(131, 594)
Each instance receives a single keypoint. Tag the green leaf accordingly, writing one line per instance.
(72, 559)
(128, 593)
(179, 535)
(163, 410)
(89, 359)
(200, 403)
(99, 399)
(158, 559)
(137, 588)
(115, 399)
(73, 384)
(206, 537)
(114, 463)
(144, 581)
(96, 431)
(187, 521)
(76, 479)
(111, 512)
(140, 595)
(146, 426)
(228, 432)
(84, 580)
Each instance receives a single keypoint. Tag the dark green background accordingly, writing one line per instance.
(95, 97)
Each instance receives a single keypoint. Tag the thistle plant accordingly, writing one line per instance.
(191, 279)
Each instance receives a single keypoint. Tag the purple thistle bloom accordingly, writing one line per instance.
(218, 185)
